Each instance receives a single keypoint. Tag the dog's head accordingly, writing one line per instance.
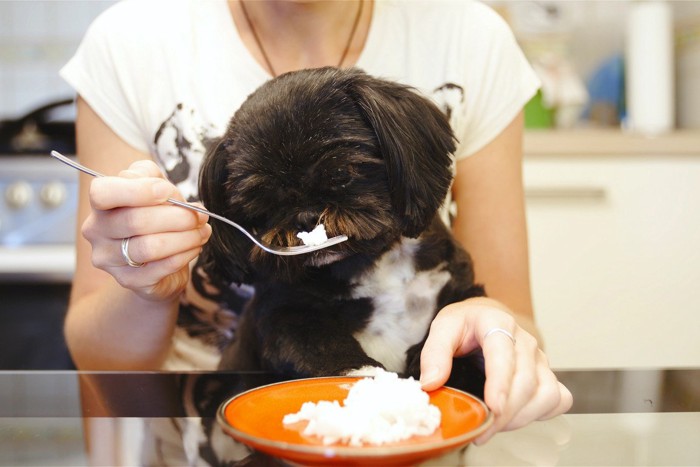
(366, 157)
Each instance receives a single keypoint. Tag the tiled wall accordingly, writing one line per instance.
(36, 38)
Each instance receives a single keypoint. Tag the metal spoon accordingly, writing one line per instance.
(275, 250)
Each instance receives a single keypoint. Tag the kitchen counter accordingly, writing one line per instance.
(47, 263)
(620, 417)
(610, 142)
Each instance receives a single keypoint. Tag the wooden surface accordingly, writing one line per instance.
(610, 142)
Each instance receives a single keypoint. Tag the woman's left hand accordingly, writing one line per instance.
(520, 386)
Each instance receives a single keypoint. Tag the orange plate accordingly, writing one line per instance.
(255, 419)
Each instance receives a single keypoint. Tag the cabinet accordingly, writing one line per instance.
(615, 258)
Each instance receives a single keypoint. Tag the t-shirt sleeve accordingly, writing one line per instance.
(499, 81)
(103, 75)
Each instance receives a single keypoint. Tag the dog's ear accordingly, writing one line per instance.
(224, 256)
(416, 142)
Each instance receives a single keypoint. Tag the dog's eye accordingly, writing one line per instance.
(341, 177)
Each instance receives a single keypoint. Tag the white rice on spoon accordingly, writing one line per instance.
(316, 237)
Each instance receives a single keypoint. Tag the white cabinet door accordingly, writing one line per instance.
(615, 259)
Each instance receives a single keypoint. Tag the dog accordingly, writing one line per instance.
(366, 157)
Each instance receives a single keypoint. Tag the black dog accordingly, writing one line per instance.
(367, 158)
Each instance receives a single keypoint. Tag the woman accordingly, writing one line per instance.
(158, 80)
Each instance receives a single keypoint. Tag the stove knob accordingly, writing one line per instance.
(53, 194)
(18, 195)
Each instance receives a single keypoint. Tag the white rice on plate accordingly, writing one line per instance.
(379, 410)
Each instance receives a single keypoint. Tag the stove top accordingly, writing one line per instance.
(39, 201)
(38, 195)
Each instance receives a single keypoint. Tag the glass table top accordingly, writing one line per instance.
(619, 417)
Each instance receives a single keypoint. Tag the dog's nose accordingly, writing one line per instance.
(306, 221)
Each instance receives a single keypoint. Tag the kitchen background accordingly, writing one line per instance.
(38, 36)
(613, 205)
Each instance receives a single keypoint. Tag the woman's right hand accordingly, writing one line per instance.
(163, 236)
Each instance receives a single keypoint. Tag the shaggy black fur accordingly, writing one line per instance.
(366, 157)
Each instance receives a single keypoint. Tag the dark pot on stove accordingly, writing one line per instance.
(39, 131)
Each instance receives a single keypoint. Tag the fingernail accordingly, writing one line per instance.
(161, 189)
(429, 375)
(201, 217)
(205, 231)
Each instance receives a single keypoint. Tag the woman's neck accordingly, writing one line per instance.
(302, 34)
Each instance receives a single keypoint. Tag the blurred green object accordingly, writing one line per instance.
(537, 115)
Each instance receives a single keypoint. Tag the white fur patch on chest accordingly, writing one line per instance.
(404, 303)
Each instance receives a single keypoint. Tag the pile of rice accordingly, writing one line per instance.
(316, 237)
(379, 410)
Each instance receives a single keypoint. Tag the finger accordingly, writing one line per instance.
(543, 400)
(445, 339)
(155, 247)
(145, 168)
(566, 401)
(103, 227)
(527, 382)
(156, 277)
(148, 169)
(113, 192)
(130, 222)
(500, 363)
(535, 393)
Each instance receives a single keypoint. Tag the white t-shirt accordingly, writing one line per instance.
(167, 75)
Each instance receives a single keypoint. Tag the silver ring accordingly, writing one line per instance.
(125, 254)
(502, 331)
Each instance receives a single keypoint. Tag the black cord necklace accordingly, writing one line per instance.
(258, 42)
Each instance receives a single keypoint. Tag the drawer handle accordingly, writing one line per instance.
(566, 193)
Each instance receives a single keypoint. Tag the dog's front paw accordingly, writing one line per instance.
(413, 361)
(366, 371)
